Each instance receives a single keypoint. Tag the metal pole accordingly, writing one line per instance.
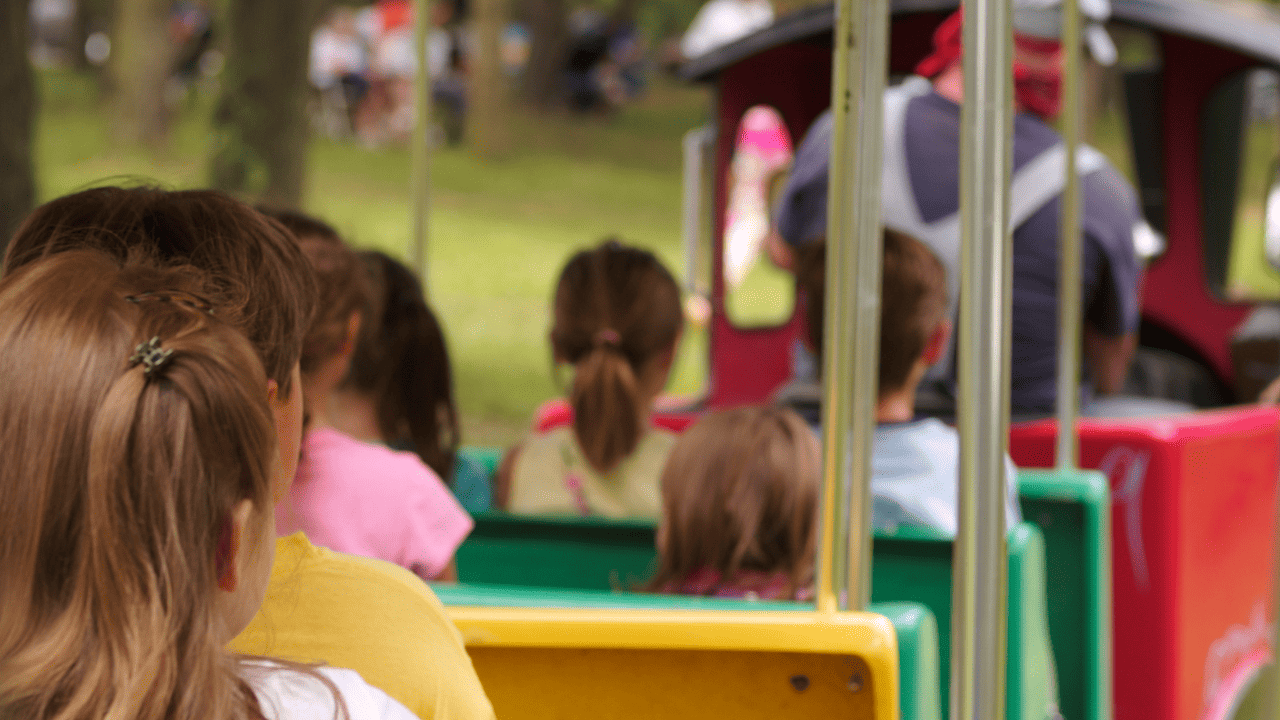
(697, 183)
(854, 246)
(1069, 261)
(978, 598)
(420, 146)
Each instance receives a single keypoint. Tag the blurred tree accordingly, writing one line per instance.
(548, 23)
(260, 125)
(141, 58)
(17, 113)
(488, 130)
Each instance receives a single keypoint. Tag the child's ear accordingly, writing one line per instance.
(231, 545)
(935, 346)
(353, 332)
(556, 357)
(667, 357)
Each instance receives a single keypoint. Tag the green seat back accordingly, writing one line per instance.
(550, 552)
(1072, 509)
(911, 564)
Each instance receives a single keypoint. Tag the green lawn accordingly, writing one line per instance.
(499, 231)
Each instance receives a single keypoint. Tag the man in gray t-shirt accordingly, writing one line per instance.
(921, 198)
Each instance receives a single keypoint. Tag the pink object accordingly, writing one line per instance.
(364, 499)
(763, 131)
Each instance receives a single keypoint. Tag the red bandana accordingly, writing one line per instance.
(1037, 90)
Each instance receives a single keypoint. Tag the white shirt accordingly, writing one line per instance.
(288, 694)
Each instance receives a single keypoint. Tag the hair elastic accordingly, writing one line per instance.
(152, 357)
(608, 337)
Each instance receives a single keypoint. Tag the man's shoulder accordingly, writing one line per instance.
(1107, 187)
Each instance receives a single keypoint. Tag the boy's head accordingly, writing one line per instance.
(260, 279)
(914, 328)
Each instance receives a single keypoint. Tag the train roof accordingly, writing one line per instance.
(1247, 28)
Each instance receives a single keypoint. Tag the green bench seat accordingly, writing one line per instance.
(1070, 509)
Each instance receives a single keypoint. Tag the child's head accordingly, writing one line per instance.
(135, 494)
(341, 300)
(913, 321)
(617, 318)
(401, 363)
(258, 277)
(740, 495)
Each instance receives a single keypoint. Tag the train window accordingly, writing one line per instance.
(757, 292)
(1139, 73)
(1242, 198)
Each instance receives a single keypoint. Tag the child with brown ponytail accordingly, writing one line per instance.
(617, 321)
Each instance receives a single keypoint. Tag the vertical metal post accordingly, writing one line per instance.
(978, 596)
(420, 145)
(697, 185)
(854, 246)
(1069, 260)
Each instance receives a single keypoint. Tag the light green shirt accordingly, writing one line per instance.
(551, 475)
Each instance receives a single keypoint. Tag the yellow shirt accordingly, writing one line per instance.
(551, 475)
(371, 616)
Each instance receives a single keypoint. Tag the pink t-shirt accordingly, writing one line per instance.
(364, 499)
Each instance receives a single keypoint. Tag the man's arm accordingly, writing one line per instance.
(780, 252)
(1108, 358)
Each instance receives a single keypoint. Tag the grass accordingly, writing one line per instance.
(499, 232)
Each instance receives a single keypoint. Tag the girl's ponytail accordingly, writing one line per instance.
(616, 310)
(401, 361)
(606, 401)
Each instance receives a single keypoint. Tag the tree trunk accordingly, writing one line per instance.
(487, 107)
(17, 113)
(548, 48)
(260, 123)
(141, 57)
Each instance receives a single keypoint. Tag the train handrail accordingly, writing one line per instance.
(978, 597)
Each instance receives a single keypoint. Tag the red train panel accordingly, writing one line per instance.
(1193, 530)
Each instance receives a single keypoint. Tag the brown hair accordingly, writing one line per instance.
(402, 362)
(913, 291)
(257, 277)
(616, 309)
(117, 491)
(740, 494)
(343, 288)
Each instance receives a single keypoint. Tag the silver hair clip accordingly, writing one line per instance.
(178, 297)
(151, 356)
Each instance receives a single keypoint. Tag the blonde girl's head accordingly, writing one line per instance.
(135, 496)
(740, 495)
(617, 318)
